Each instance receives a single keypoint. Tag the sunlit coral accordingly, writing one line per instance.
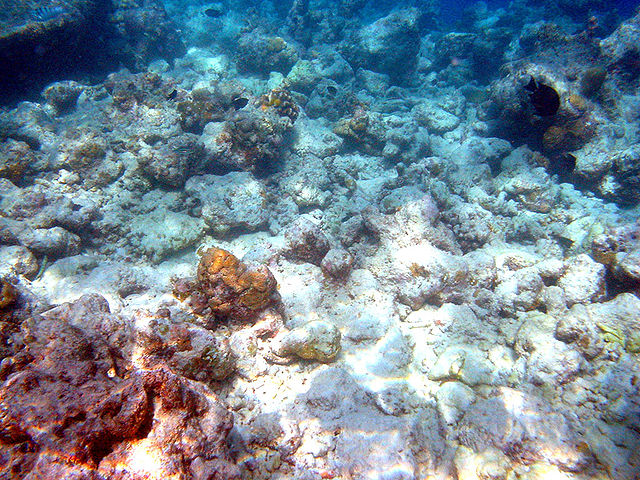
(227, 287)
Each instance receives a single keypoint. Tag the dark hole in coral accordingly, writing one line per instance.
(101, 449)
(33, 142)
(628, 66)
(545, 99)
(549, 281)
(565, 243)
(26, 447)
(147, 423)
(239, 102)
(214, 12)
(616, 286)
(562, 165)
(152, 139)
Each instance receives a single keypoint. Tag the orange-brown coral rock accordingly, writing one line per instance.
(568, 136)
(8, 294)
(15, 158)
(231, 288)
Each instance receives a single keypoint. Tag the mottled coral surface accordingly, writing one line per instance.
(73, 405)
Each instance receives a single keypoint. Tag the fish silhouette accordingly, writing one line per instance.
(544, 98)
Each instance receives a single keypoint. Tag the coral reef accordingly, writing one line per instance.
(204, 106)
(329, 100)
(62, 96)
(389, 45)
(144, 32)
(592, 80)
(280, 99)
(446, 193)
(229, 202)
(252, 138)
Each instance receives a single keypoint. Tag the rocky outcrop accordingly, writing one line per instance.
(389, 45)
(75, 403)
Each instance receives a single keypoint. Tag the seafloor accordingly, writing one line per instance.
(319, 240)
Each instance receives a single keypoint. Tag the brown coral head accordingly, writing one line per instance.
(8, 294)
(232, 288)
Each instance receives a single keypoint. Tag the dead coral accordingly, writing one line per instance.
(73, 406)
(148, 89)
(226, 287)
(261, 53)
(15, 159)
(619, 249)
(364, 130)
(354, 127)
(252, 139)
(280, 99)
(203, 107)
(569, 136)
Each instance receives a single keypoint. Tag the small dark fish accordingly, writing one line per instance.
(239, 102)
(214, 12)
(544, 98)
(172, 95)
(44, 14)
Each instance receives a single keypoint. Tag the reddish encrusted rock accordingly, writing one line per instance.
(337, 263)
(75, 404)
